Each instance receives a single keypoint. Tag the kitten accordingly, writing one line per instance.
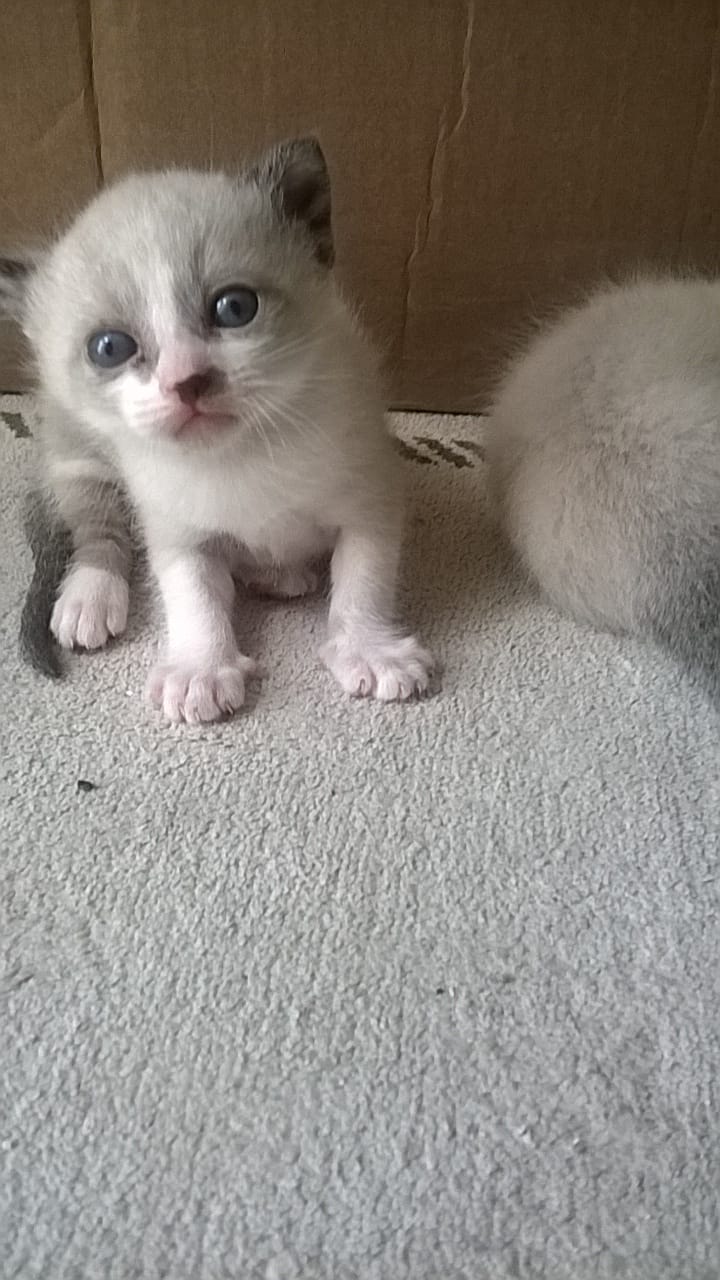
(197, 365)
(604, 456)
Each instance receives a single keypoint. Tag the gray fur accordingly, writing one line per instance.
(604, 457)
(51, 545)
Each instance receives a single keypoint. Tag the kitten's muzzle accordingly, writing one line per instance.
(189, 388)
(207, 382)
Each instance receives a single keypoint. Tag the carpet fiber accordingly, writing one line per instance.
(340, 991)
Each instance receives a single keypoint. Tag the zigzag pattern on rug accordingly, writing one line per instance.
(421, 449)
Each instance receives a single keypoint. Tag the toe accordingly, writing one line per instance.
(63, 622)
(200, 705)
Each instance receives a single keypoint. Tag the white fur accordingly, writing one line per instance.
(296, 462)
(92, 606)
(604, 454)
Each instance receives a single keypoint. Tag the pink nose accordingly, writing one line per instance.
(192, 388)
(184, 369)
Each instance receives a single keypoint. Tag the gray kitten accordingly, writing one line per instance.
(199, 371)
(604, 457)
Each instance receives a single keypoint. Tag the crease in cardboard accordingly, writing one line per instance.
(85, 22)
(705, 122)
(634, 29)
(435, 189)
(50, 134)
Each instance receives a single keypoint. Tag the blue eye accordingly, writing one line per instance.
(111, 348)
(234, 308)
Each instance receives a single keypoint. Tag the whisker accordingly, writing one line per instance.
(262, 422)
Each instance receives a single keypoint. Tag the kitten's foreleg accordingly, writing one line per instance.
(92, 602)
(202, 676)
(367, 651)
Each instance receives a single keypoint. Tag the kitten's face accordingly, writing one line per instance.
(187, 307)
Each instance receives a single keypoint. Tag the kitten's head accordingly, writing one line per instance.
(181, 305)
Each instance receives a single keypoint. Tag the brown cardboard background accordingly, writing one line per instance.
(488, 157)
(48, 161)
(585, 144)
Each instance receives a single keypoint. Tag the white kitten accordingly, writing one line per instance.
(604, 457)
(196, 360)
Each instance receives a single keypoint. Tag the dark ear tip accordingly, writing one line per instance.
(14, 268)
(312, 144)
(300, 183)
(15, 274)
(306, 150)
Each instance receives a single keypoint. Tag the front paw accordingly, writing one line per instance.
(91, 607)
(198, 694)
(391, 668)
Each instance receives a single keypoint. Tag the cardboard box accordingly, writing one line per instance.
(488, 157)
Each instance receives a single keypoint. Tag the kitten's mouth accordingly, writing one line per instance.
(202, 423)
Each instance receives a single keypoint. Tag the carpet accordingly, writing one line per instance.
(359, 992)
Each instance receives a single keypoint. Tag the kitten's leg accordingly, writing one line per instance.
(367, 652)
(92, 602)
(203, 673)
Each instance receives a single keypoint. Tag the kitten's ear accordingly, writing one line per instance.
(300, 183)
(15, 274)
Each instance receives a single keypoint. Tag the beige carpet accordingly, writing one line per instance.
(356, 992)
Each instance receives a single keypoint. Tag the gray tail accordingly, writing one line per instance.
(51, 547)
(688, 624)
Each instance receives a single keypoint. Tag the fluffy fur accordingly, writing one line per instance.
(243, 453)
(604, 459)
